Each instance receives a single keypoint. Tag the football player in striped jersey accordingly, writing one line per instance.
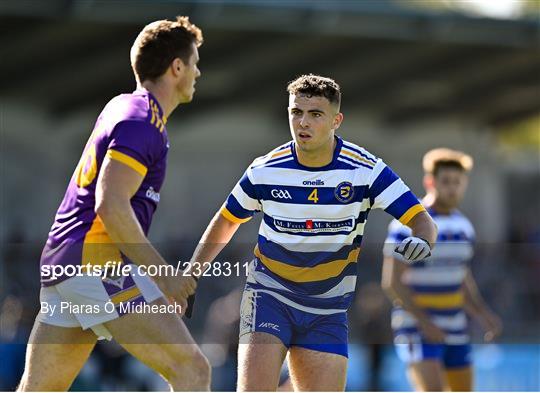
(314, 194)
(432, 297)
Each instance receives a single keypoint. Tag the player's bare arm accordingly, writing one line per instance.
(116, 185)
(422, 226)
(216, 236)
(477, 308)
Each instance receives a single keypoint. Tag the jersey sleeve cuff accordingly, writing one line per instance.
(411, 213)
(231, 217)
(127, 160)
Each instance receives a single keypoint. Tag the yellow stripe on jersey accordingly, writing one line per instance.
(440, 300)
(409, 214)
(281, 153)
(125, 295)
(98, 247)
(231, 217)
(129, 161)
(320, 272)
(97, 233)
(358, 158)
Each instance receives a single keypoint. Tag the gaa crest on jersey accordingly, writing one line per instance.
(280, 194)
(344, 192)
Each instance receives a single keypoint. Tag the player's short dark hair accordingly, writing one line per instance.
(436, 159)
(159, 43)
(316, 85)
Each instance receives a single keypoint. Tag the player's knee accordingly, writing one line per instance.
(193, 366)
(201, 367)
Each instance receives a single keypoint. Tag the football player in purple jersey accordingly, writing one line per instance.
(103, 221)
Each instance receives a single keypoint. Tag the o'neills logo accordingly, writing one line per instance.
(150, 193)
(317, 182)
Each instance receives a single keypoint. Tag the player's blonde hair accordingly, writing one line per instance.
(444, 157)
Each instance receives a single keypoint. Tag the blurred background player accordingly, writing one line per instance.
(432, 297)
(105, 216)
(315, 193)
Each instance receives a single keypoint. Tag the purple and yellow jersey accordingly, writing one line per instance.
(131, 130)
(313, 221)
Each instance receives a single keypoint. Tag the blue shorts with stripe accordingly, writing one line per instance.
(262, 312)
(450, 355)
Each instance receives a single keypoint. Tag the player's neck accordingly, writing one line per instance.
(431, 201)
(163, 95)
(317, 158)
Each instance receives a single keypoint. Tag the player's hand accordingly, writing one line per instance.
(178, 287)
(414, 249)
(190, 303)
(183, 305)
(432, 332)
(492, 325)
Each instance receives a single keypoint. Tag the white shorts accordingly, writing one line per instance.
(90, 301)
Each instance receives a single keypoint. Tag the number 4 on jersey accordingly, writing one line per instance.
(313, 196)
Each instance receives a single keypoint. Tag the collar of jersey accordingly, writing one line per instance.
(433, 213)
(337, 150)
(143, 91)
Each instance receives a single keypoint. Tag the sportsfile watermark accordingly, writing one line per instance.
(243, 289)
(120, 268)
(51, 309)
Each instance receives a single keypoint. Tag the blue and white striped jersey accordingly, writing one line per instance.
(436, 282)
(313, 221)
